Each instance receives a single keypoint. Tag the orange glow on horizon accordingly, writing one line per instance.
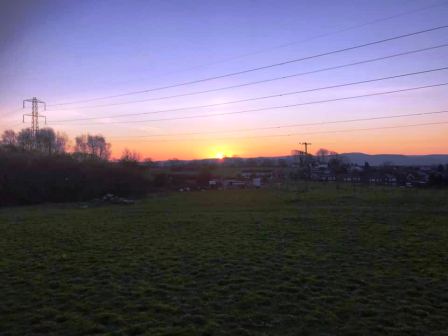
(419, 141)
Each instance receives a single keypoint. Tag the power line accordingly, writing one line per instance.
(308, 133)
(315, 37)
(257, 82)
(11, 112)
(288, 125)
(444, 3)
(257, 68)
(372, 128)
(13, 125)
(259, 98)
(275, 107)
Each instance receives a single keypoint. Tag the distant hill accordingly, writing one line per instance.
(396, 159)
(356, 158)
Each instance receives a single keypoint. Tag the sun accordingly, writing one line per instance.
(220, 152)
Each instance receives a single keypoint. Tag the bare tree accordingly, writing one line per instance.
(323, 155)
(62, 142)
(45, 140)
(130, 158)
(99, 147)
(25, 139)
(339, 165)
(94, 146)
(81, 144)
(50, 142)
(9, 137)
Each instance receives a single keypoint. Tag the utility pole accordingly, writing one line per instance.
(34, 115)
(306, 144)
(306, 163)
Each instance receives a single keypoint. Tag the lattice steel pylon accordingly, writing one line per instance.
(34, 114)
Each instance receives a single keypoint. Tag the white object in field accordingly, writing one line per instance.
(256, 182)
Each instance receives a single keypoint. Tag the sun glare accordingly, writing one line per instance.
(220, 152)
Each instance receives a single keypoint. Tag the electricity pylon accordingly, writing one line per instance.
(34, 115)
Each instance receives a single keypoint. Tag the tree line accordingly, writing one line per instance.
(45, 167)
(47, 141)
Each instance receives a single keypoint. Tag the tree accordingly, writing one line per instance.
(323, 155)
(25, 139)
(9, 137)
(45, 140)
(62, 142)
(81, 144)
(338, 165)
(94, 146)
(50, 142)
(130, 157)
(148, 162)
(28, 177)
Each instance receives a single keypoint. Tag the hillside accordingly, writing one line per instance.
(397, 159)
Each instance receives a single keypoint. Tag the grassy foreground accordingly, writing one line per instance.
(245, 262)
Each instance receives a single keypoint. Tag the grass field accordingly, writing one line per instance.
(243, 262)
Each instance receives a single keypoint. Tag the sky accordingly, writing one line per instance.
(63, 51)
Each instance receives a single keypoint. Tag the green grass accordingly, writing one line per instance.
(245, 262)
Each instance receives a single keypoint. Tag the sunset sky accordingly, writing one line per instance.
(70, 51)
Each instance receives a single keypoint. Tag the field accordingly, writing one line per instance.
(365, 261)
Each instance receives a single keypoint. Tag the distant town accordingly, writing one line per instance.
(325, 166)
(38, 167)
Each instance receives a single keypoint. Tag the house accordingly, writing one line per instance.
(256, 182)
(375, 178)
(321, 172)
(350, 178)
(384, 179)
(417, 179)
(390, 179)
(213, 184)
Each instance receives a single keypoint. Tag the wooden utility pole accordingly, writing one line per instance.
(306, 144)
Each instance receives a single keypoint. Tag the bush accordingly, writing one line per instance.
(30, 178)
